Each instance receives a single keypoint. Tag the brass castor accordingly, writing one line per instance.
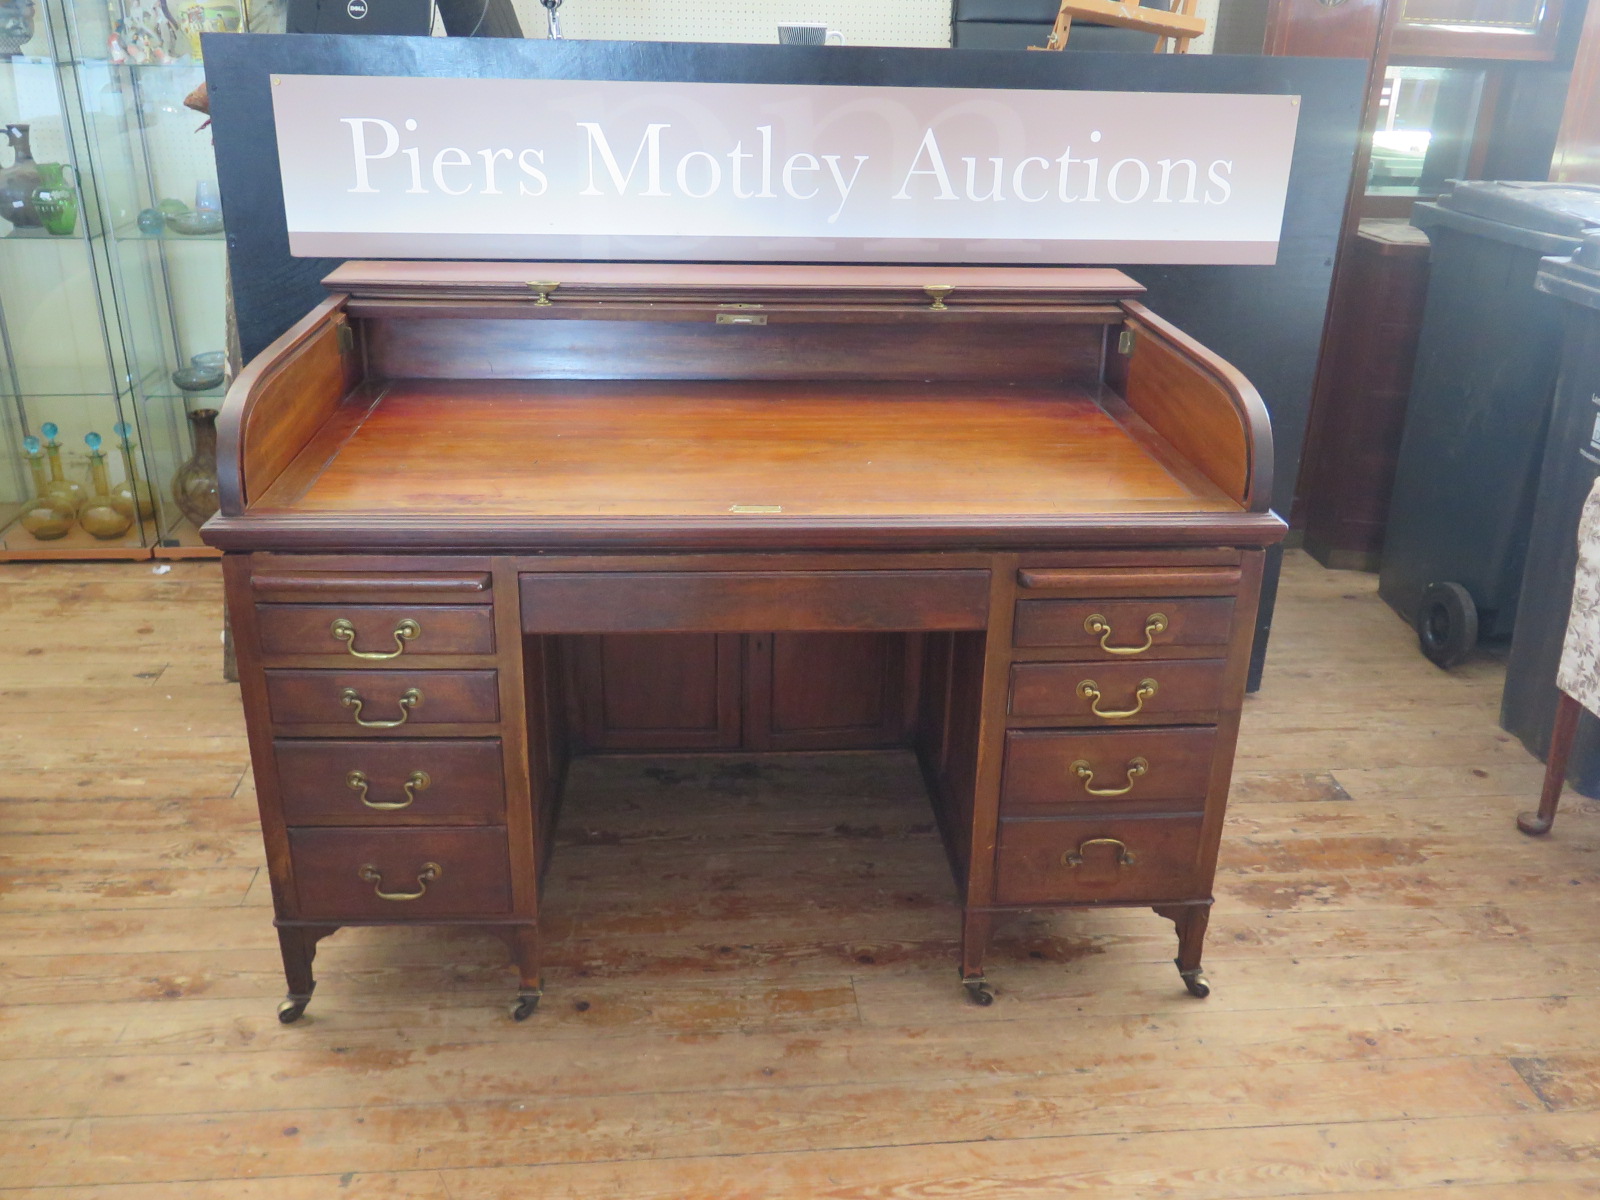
(293, 1008)
(979, 992)
(1196, 982)
(524, 1005)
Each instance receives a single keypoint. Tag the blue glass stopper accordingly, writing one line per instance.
(92, 440)
(30, 444)
(49, 429)
(123, 430)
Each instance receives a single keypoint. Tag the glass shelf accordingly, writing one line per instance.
(132, 233)
(32, 233)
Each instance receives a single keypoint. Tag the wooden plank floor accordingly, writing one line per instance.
(753, 995)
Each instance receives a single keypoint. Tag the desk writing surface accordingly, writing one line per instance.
(704, 448)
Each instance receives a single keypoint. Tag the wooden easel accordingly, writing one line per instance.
(1177, 26)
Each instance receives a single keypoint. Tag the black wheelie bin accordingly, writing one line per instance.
(1480, 402)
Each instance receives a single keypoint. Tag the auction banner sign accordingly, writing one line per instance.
(387, 167)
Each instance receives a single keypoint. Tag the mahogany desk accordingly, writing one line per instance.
(463, 503)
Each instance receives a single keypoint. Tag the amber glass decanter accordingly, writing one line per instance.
(99, 513)
(132, 496)
(46, 516)
(66, 490)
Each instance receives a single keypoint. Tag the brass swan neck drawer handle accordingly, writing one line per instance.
(1097, 626)
(1074, 858)
(1136, 767)
(357, 782)
(409, 699)
(344, 630)
(1090, 691)
(429, 872)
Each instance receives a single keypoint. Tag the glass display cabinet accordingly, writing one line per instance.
(112, 279)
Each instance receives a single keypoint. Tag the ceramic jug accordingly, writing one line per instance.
(19, 181)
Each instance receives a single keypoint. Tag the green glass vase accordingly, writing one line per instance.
(56, 200)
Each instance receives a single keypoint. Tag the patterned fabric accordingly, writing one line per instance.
(1579, 673)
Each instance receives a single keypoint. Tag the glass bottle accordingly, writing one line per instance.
(56, 200)
(66, 490)
(46, 517)
(132, 496)
(194, 487)
(99, 513)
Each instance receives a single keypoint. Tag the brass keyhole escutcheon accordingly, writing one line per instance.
(1096, 625)
(344, 630)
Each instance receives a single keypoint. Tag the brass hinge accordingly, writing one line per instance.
(741, 318)
(347, 336)
(1126, 340)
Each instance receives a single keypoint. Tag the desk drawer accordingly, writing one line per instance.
(1126, 769)
(1134, 859)
(374, 632)
(351, 698)
(422, 873)
(1119, 693)
(1124, 629)
(753, 601)
(391, 782)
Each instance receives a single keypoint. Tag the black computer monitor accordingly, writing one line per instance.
(361, 16)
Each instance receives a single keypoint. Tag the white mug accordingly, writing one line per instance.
(808, 33)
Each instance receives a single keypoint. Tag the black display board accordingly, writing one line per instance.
(1267, 321)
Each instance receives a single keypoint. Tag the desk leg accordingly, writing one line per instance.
(975, 928)
(1191, 920)
(523, 942)
(298, 944)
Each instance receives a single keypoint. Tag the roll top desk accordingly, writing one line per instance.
(462, 501)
